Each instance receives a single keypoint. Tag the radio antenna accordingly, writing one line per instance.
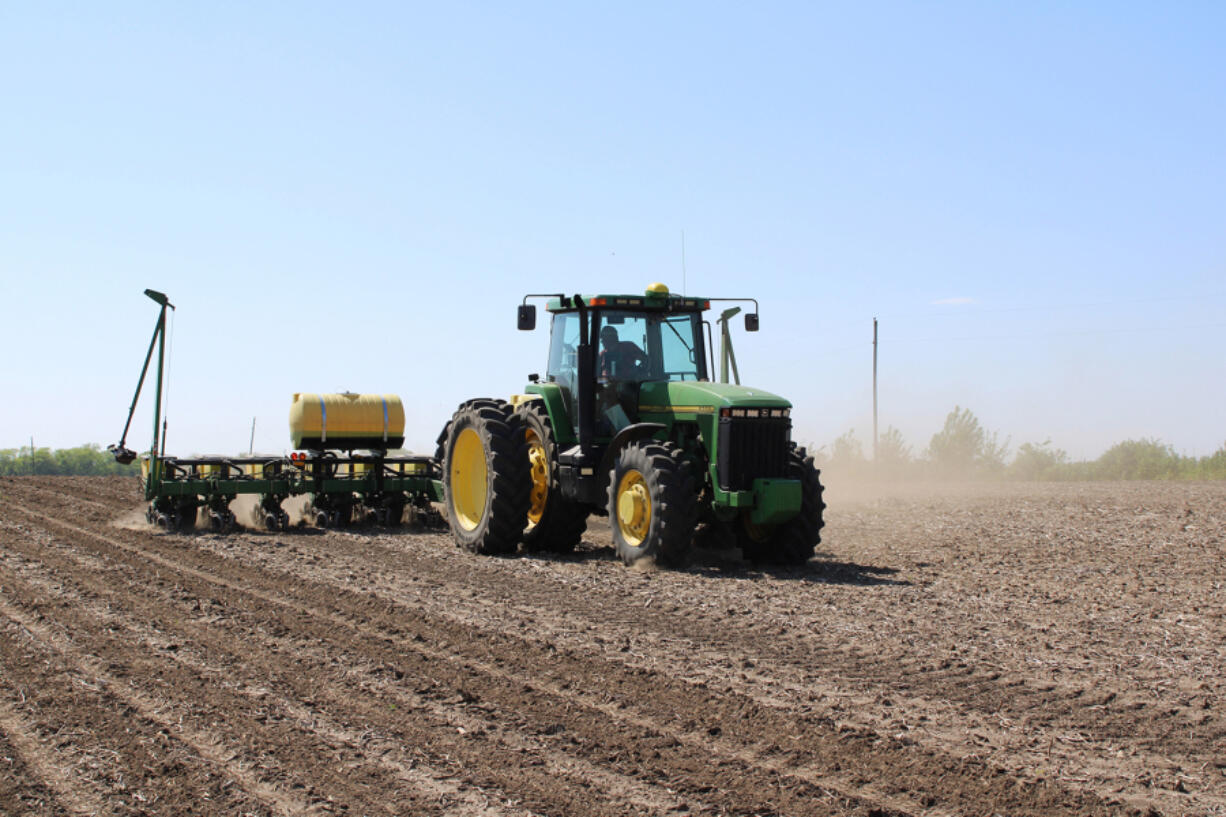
(684, 291)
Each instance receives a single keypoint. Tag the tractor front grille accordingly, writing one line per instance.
(752, 448)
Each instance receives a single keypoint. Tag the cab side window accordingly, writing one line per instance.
(681, 348)
(564, 357)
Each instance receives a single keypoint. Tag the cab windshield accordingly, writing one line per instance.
(630, 346)
(642, 346)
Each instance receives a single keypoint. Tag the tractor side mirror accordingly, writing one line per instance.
(527, 316)
(751, 321)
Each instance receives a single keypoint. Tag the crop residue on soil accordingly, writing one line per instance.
(1014, 649)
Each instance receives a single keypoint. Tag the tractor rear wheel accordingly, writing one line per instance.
(485, 477)
(555, 522)
(652, 509)
(793, 542)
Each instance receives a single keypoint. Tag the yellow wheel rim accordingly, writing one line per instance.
(468, 478)
(633, 508)
(538, 464)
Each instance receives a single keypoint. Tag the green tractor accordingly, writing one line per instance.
(628, 422)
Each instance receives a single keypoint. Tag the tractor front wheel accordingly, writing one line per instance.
(652, 508)
(485, 477)
(795, 541)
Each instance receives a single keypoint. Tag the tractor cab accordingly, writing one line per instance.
(624, 368)
(629, 345)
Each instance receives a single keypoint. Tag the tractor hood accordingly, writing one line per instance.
(702, 398)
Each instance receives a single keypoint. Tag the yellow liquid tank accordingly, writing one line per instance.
(346, 421)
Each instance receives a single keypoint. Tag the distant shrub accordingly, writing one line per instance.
(1214, 465)
(894, 457)
(844, 456)
(1037, 461)
(1139, 459)
(847, 450)
(963, 447)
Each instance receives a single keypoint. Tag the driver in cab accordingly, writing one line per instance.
(619, 359)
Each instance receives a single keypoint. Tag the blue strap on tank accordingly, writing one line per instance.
(323, 421)
(384, 419)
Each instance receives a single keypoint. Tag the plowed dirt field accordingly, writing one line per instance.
(1028, 650)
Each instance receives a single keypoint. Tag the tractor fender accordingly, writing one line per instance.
(629, 434)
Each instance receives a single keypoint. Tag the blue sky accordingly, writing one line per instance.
(1030, 197)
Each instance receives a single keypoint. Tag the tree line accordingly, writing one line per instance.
(963, 448)
(84, 460)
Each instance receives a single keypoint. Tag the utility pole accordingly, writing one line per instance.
(874, 391)
(251, 445)
(31, 455)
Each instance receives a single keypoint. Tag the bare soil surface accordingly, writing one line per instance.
(1016, 649)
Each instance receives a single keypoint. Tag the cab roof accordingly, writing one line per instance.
(656, 297)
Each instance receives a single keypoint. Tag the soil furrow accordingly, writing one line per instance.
(1014, 742)
(237, 725)
(624, 741)
(300, 770)
(1041, 649)
(33, 781)
(240, 659)
(114, 752)
(739, 725)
